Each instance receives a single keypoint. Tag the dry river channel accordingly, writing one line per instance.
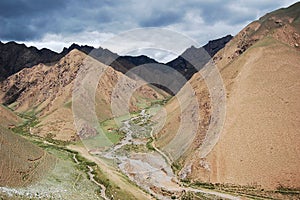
(148, 167)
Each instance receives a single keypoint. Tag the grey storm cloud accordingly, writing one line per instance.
(235, 12)
(31, 20)
(161, 18)
(21, 20)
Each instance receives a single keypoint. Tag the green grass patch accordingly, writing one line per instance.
(111, 131)
(129, 148)
(68, 104)
(99, 141)
(205, 185)
(50, 138)
(30, 120)
(176, 166)
(159, 102)
(149, 144)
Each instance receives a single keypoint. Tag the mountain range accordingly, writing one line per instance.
(14, 57)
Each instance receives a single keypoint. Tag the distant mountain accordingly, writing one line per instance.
(213, 46)
(197, 55)
(15, 57)
(84, 48)
(138, 60)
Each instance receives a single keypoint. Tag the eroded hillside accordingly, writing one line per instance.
(259, 142)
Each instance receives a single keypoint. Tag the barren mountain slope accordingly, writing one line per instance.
(47, 92)
(259, 143)
(22, 163)
(8, 118)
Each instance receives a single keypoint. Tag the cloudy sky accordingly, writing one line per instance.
(57, 23)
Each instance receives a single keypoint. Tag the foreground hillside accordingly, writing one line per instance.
(258, 145)
(22, 163)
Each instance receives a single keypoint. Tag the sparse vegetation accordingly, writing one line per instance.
(287, 190)
(250, 191)
(176, 166)
(130, 148)
(30, 120)
(160, 102)
(68, 104)
(203, 185)
(149, 144)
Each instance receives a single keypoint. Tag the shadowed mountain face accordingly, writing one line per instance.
(213, 46)
(14, 57)
(197, 55)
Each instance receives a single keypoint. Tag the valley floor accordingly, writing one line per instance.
(133, 168)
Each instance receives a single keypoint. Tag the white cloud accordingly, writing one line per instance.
(57, 42)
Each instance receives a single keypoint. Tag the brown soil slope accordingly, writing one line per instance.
(259, 143)
(22, 163)
(8, 118)
(47, 91)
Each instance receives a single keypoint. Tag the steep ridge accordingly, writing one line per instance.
(47, 92)
(14, 57)
(177, 67)
(22, 163)
(259, 142)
